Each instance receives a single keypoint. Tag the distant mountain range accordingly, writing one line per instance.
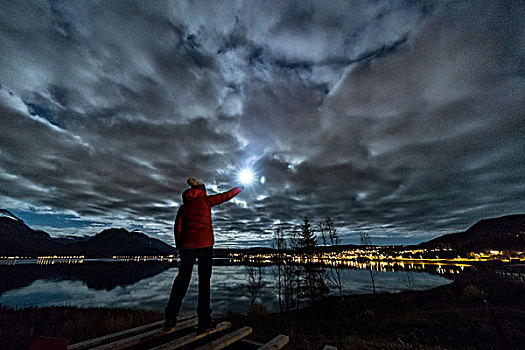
(18, 239)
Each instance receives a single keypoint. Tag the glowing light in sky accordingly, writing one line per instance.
(263, 179)
(246, 176)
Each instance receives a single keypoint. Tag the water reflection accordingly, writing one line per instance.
(95, 275)
(444, 268)
(146, 285)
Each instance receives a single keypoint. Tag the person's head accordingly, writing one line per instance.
(196, 184)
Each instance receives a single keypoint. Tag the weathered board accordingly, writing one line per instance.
(154, 337)
(190, 338)
(145, 337)
(226, 340)
(128, 332)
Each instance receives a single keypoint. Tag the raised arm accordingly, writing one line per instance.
(217, 199)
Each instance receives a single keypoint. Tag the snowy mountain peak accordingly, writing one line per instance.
(4, 213)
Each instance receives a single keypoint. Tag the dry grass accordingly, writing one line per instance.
(19, 327)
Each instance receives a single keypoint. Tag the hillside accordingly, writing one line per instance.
(119, 241)
(503, 233)
(18, 239)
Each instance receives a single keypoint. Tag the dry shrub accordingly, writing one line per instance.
(473, 294)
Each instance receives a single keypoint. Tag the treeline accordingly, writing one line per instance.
(297, 284)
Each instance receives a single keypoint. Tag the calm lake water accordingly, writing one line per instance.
(146, 285)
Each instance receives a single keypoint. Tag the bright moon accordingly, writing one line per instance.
(246, 176)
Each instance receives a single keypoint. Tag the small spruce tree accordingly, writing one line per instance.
(307, 241)
(310, 278)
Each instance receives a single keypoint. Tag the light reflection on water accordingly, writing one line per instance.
(228, 289)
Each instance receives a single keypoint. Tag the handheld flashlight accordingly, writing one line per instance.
(246, 176)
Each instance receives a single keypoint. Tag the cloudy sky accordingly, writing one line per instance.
(403, 119)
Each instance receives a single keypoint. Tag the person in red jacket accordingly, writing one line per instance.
(194, 240)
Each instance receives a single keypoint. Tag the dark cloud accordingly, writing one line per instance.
(401, 118)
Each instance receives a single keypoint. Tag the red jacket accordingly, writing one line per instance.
(193, 227)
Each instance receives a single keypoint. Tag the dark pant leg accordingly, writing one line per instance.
(181, 282)
(205, 269)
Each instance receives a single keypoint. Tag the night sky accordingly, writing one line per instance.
(404, 119)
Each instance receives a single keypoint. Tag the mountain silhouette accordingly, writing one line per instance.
(119, 241)
(503, 233)
(18, 239)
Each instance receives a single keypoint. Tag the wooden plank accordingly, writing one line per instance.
(177, 343)
(128, 332)
(147, 336)
(276, 343)
(228, 339)
(96, 341)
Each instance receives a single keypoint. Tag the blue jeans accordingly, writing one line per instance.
(182, 281)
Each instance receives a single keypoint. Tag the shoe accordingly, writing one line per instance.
(171, 320)
(169, 323)
(206, 326)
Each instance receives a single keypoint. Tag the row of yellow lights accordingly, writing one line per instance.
(382, 266)
(142, 256)
(59, 261)
(358, 253)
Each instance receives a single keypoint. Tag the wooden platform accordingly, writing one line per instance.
(153, 337)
